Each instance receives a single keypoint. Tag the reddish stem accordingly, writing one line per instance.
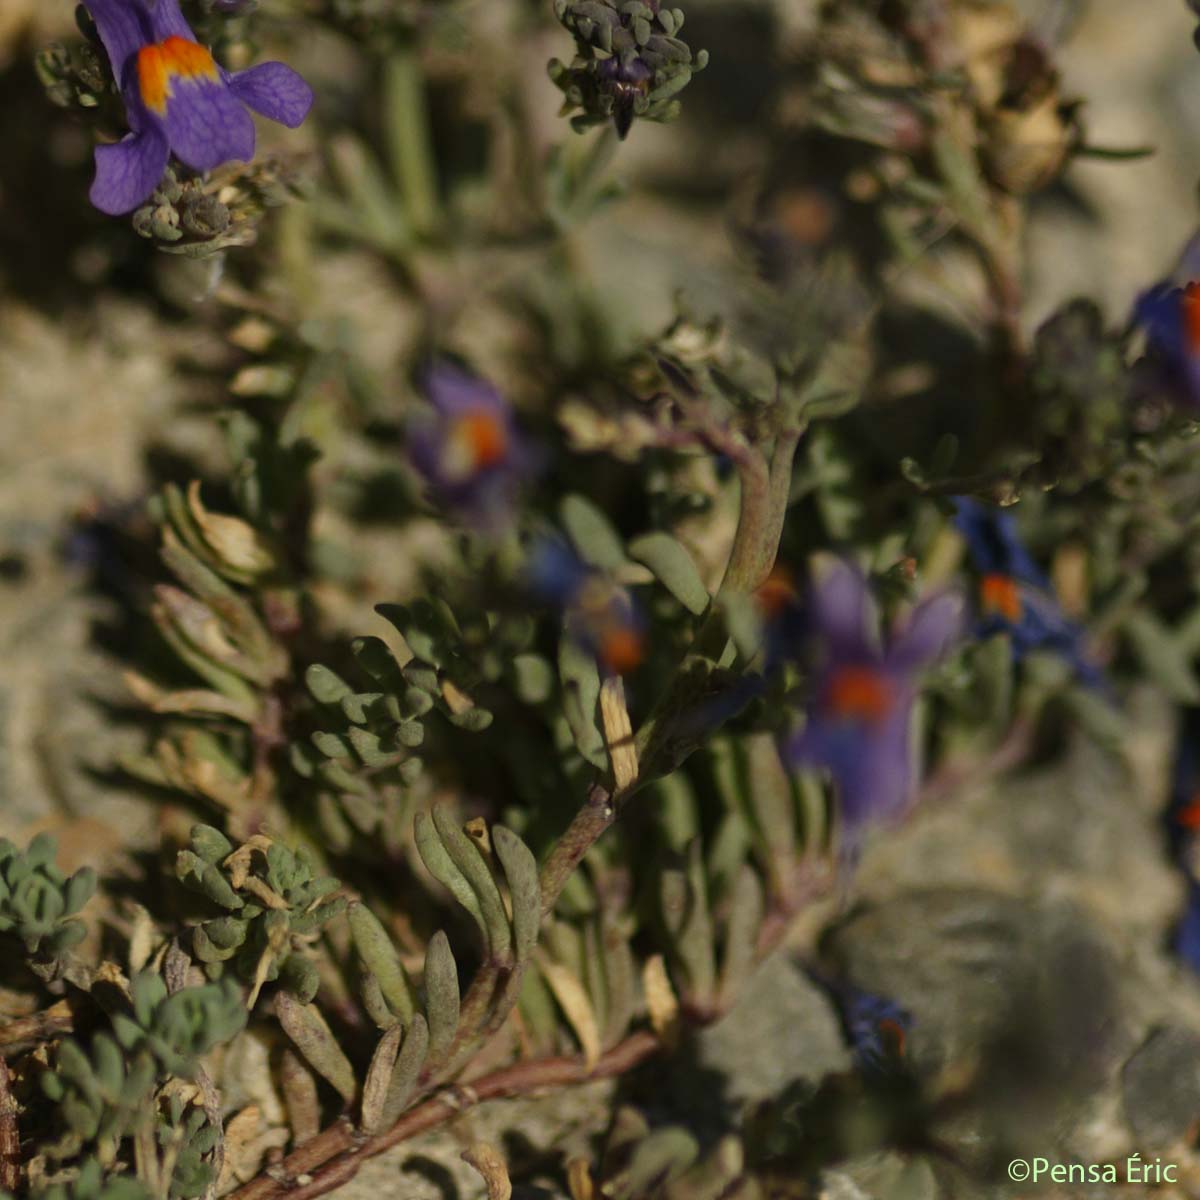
(334, 1156)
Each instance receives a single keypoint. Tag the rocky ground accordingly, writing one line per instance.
(1022, 922)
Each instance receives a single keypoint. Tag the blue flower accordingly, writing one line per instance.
(1015, 597)
(859, 721)
(876, 1028)
(1187, 932)
(780, 607)
(1171, 317)
(600, 615)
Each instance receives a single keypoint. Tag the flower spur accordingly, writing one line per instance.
(179, 100)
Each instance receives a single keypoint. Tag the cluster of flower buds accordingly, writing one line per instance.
(201, 216)
(629, 62)
(74, 76)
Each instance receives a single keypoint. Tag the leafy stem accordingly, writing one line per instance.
(406, 116)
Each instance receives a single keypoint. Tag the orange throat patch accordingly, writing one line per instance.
(622, 649)
(999, 595)
(776, 592)
(160, 64)
(477, 440)
(1191, 315)
(1189, 815)
(859, 694)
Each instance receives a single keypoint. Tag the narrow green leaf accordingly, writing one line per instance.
(539, 1013)
(741, 930)
(468, 858)
(620, 974)
(581, 695)
(685, 911)
(379, 1079)
(407, 1071)
(521, 871)
(441, 866)
(306, 1027)
(373, 1001)
(441, 997)
(593, 535)
(379, 955)
(673, 568)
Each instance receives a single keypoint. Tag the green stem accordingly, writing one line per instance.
(406, 123)
(765, 489)
(765, 494)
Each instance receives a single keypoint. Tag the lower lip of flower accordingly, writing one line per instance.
(859, 694)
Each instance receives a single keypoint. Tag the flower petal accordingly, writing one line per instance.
(871, 765)
(453, 391)
(207, 124)
(128, 172)
(995, 545)
(844, 614)
(275, 90)
(555, 572)
(1161, 311)
(124, 27)
(930, 631)
(167, 20)
(1187, 935)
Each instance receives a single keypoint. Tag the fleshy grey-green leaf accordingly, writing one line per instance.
(673, 567)
(377, 952)
(441, 997)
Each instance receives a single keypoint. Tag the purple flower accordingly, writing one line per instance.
(468, 447)
(1171, 318)
(179, 100)
(600, 615)
(860, 717)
